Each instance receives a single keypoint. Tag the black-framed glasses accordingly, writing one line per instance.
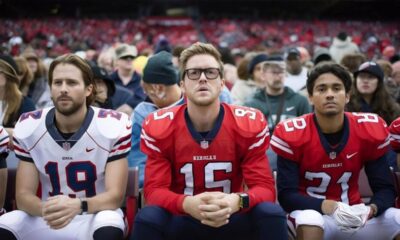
(195, 73)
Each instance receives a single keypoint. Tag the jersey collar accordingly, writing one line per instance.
(205, 141)
(55, 134)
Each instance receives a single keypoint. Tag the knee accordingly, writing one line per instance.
(393, 214)
(109, 218)
(268, 210)
(153, 215)
(309, 218)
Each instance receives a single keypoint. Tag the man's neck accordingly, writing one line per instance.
(203, 117)
(330, 124)
(274, 92)
(71, 123)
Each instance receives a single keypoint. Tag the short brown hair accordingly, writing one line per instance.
(81, 64)
(198, 49)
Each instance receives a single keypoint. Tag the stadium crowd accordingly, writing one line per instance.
(313, 102)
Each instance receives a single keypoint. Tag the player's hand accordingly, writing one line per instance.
(191, 204)
(329, 206)
(58, 211)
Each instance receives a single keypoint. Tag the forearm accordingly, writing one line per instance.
(165, 198)
(29, 203)
(109, 200)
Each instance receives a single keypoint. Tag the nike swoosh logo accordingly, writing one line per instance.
(89, 149)
(147, 122)
(288, 109)
(396, 125)
(348, 156)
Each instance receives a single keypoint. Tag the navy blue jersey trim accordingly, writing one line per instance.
(55, 134)
(214, 131)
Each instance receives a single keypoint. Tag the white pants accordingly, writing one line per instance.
(384, 227)
(82, 227)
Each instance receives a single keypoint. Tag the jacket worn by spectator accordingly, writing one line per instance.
(294, 105)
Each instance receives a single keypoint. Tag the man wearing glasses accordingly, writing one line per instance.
(200, 155)
(276, 101)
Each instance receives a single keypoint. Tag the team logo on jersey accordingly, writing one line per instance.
(332, 155)
(66, 146)
(204, 144)
(89, 149)
(348, 156)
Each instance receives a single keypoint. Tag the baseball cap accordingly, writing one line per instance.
(101, 73)
(371, 68)
(125, 50)
(292, 53)
(275, 60)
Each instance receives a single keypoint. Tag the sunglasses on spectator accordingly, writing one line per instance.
(127, 58)
(195, 73)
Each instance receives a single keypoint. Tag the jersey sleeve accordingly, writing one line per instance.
(373, 131)
(288, 136)
(252, 129)
(122, 142)
(394, 130)
(4, 141)
(155, 137)
(25, 129)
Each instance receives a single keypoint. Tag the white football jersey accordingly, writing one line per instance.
(74, 167)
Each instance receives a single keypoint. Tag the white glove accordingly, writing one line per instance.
(350, 218)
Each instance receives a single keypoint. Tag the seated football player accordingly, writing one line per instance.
(320, 156)
(78, 154)
(199, 156)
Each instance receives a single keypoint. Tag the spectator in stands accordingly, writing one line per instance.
(396, 78)
(391, 86)
(320, 156)
(369, 93)
(105, 88)
(353, 61)
(341, 45)
(106, 60)
(191, 191)
(13, 103)
(321, 54)
(296, 73)
(25, 75)
(244, 88)
(78, 155)
(276, 101)
(160, 82)
(126, 77)
(4, 141)
(39, 90)
(176, 52)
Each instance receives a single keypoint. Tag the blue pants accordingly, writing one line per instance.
(264, 221)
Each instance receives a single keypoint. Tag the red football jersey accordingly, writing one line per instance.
(395, 135)
(182, 162)
(327, 172)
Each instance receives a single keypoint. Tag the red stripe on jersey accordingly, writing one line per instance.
(122, 147)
